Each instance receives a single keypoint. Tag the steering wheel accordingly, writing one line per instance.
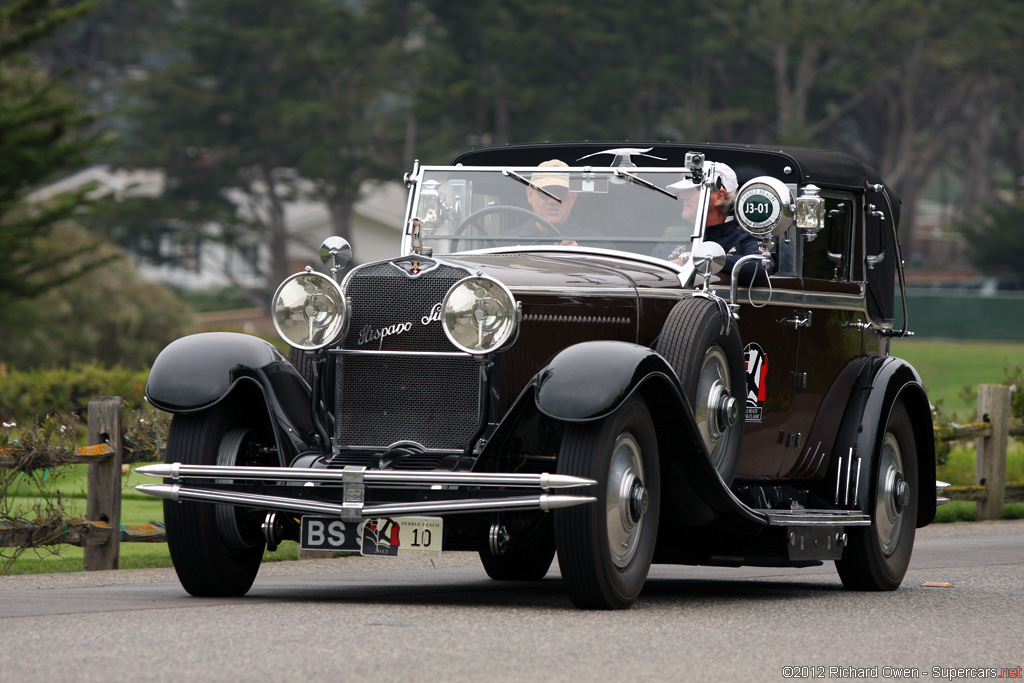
(471, 219)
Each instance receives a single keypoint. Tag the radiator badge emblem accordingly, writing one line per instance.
(368, 334)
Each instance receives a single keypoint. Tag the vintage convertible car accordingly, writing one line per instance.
(517, 384)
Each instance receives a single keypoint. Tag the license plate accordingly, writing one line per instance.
(378, 537)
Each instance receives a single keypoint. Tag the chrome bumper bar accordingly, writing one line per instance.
(545, 481)
(353, 481)
(355, 512)
(940, 487)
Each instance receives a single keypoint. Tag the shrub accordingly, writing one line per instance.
(31, 396)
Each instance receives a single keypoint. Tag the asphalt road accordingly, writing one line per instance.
(413, 620)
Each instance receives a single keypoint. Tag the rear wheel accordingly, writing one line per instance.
(605, 548)
(525, 563)
(216, 549)
(878, 556)
(520, 547)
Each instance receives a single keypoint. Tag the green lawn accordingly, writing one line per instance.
(948, 366)
(136, 508)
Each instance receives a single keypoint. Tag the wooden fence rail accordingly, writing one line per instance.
(95, 534)
(104, 455)
(993, 431)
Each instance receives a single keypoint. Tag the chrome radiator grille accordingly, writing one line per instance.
(384, 399)
(383, 297)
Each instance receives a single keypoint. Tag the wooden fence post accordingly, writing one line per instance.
(103, 503)
(994, 408)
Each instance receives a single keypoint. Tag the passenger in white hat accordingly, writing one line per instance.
(720, 226)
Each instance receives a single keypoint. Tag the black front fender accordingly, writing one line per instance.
(591, 380)
(197, 372)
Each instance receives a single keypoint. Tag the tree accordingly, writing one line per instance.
(109, 315)
(267, 102)
(996, 243)
(43, 133)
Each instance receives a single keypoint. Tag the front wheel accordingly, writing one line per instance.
(878, 556)
(605, 548)
(216, 549)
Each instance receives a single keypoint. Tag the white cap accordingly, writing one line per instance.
(720, 172)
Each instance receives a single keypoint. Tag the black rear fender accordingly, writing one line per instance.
(882, 382)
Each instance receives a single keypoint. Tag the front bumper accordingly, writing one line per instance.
(342, 493)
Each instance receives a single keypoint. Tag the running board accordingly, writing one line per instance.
(357, 511)
(824, 518)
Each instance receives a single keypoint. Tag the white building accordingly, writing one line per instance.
(189, 263)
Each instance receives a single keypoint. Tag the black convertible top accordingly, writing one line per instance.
(821, 167)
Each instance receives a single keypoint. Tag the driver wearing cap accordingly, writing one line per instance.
(720, 226)
(557, 212)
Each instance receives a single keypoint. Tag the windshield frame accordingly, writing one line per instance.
(415, 236)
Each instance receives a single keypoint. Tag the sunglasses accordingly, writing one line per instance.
(558, 191)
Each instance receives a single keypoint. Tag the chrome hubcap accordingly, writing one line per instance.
(715, 408)
(627, 499)
(893, 495)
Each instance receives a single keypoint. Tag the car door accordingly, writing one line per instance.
(831, 344)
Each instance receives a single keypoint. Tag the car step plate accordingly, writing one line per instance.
(377, 536)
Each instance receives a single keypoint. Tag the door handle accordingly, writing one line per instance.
(801, 320)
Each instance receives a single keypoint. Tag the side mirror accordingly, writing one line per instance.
(335, 252)
(708, 258)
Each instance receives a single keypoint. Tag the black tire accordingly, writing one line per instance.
(709, 364)
(216, 549)
(525, 563)
(878, 556)
(605, 548)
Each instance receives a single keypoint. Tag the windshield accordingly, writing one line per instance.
(463, 209)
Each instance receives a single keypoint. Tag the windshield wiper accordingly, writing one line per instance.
(646, 183)
(526, 181)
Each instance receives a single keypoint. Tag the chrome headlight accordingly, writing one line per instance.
(309, 311)
(479, 315)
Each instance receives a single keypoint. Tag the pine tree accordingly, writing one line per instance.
(44, 133)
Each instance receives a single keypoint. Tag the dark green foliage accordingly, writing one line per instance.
(26, 397)
(42, 135)
(108, 315)
(997, 242)
(276, 101)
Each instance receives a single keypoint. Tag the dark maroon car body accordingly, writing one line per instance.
(831, 457)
